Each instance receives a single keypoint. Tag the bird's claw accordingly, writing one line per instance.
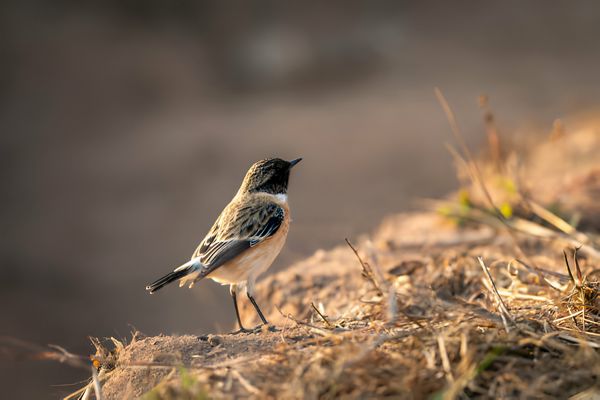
(256, 329)
(242, 330)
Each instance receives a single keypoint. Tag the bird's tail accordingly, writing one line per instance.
(180, 272)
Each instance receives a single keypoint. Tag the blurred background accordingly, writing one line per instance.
(127, 125)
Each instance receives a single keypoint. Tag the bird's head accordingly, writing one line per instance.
(268, 176)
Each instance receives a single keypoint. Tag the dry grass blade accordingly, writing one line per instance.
(492, 133)
(544, 275)
(86, 390)
(575, 282)
(94, 385)
(579, 341)
(392, 306)
(476, 173)
(577, 267)
(97, 385)
(366, 269)
(576, 238)
(312, 328)
(592, 393)
(504, 313)
(445, 360)
(555, 220)
(20, 348)
(323, 317)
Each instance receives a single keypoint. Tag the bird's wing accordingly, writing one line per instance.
(236, 230)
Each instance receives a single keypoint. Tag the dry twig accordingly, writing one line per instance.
(367, 271)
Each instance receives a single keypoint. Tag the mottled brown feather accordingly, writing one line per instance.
(244, 220)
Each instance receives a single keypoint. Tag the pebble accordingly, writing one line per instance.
(215, 340)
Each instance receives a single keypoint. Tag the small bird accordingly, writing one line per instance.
(246, 238)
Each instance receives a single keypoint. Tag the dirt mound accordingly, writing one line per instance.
(473, 299)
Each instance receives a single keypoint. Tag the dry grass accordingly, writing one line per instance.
(441, 338)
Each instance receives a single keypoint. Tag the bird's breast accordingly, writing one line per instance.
(254, 261)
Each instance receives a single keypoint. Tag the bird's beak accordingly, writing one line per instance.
(294, 162)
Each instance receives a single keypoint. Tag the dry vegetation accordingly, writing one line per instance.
(493, 293)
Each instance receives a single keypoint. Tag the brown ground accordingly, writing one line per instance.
(415, 316)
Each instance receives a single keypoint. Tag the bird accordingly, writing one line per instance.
(246, 237)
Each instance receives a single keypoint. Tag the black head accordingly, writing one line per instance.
(268, 176)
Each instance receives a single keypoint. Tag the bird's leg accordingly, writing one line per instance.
(257, 308)
(249, 293)
(233, 292)
(260, 314)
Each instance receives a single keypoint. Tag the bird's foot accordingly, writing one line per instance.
(265, 328)
(257, 329)
(242, 330)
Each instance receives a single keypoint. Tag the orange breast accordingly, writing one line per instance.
(255, 260)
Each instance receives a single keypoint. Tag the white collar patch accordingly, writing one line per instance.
(281, 197)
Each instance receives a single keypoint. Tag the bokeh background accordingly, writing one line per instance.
(127, 125)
